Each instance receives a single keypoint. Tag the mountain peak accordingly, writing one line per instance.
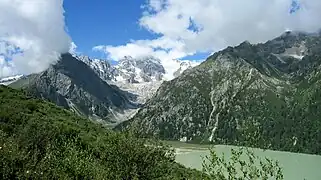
(142, 69)
(73, 84)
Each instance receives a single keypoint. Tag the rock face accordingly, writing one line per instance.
(129, 70)
(74, 85)
(139, 70)
(265, 95)
(102, 68)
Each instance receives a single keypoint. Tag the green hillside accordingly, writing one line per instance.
(39, 140)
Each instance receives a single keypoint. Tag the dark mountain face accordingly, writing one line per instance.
(265, 95)
(72, 84)
(101, 67)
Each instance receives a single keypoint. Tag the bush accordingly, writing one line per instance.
(250, 168)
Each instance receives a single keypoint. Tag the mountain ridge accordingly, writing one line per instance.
(242, 95)
(85, 85)
(72, 84)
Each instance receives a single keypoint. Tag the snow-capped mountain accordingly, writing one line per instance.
(141, 76)
(139, 70)
(137, 79)
(9, 80)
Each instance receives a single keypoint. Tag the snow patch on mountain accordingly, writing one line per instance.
(182, 65)
(9, 80)
(297, 52)
(141, 76)
(102, 68)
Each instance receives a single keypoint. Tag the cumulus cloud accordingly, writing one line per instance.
(162, 48)
(207, 25)
(32, 35)
(187, 27)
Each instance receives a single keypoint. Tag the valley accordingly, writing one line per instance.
(230, 100)
(160, 90)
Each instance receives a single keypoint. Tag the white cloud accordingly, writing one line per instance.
(73, 48)
(186, 27)
(6, 68)
(163, 48)
(226, 23)
(37, 29)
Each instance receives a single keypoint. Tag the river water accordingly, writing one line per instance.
(295, 166)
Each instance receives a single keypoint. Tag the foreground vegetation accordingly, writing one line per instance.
(39, 140)
(242, 165)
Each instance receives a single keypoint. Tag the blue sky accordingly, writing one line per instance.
(103, 22)
(109, 22)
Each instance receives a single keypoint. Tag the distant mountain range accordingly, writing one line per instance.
(94, 88)
(141, 76)
(136, 70)
(264, 95)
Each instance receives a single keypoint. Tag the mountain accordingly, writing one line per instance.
(140, 76)
(264, 95)
(137, 70)
(96, 89)
(74, 85)
(129, 69)
(39, 140)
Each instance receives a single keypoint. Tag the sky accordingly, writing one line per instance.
(33, 33)
(108, 23)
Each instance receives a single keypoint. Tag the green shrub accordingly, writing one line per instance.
(242, 165)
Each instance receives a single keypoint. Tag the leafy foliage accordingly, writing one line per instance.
(39, 140)
(243, 165)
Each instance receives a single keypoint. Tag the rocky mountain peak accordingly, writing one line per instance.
(143, 69)
(101, 67)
